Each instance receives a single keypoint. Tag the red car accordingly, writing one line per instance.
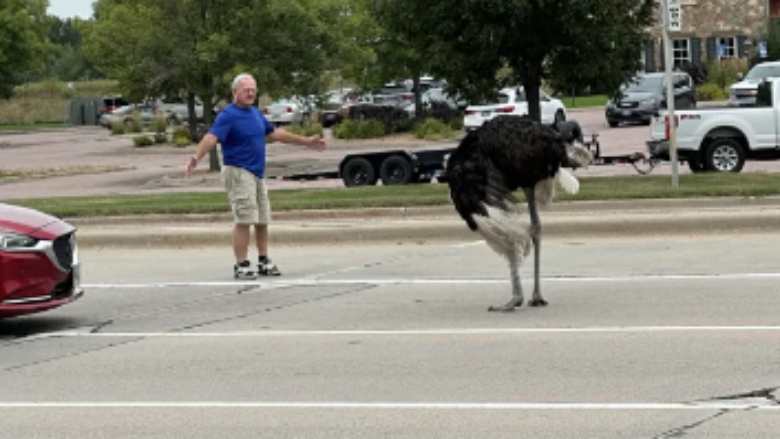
(39, 264)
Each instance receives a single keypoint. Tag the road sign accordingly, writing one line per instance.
(762, 51)
(674, 9)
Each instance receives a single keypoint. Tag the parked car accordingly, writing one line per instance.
(112, 103)
(39, 263)
(513, 101)
(743, 93)
(289, 111)
(125, 115)
(721, 139)
(639, 99)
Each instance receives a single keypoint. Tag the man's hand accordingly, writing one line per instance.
(192, 163)
(317, 143)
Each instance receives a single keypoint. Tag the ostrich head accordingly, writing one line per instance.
(576, 153)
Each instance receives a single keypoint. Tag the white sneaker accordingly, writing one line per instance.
(243, 271)
(268, 268)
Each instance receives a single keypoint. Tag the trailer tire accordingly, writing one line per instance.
(396, 170)
(724, 155)
(358, 172)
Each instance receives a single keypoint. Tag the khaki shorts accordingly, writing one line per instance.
(248, 196)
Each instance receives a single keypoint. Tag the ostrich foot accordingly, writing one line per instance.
(516, 302)
(537, 301)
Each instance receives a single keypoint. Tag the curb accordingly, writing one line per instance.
(443, 225)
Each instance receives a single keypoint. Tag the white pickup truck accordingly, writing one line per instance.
(720, 139)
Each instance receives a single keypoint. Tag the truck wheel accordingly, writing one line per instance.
(358, 172)
(724, 155)
(396, 170)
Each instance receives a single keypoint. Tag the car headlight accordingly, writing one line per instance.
(14, 241)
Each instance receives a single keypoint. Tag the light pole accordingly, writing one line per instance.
(672, 21)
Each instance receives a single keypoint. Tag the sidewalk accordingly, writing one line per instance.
(440, 224)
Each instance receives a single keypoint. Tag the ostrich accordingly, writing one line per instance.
(505, 154)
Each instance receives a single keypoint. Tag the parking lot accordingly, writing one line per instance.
(160, 169)
(653, 337)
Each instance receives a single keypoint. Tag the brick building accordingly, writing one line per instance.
(737, 25)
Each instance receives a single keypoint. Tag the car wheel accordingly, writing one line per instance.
(612, 123)
(724, 155)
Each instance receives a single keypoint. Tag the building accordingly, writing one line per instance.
(735, 26)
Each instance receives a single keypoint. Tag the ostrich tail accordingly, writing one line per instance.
(504, 232)
(568, 181)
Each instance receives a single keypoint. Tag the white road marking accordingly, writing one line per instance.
(434, 281)
(415, 332)
(708, 406)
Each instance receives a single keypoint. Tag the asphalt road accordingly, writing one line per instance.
(652, 337)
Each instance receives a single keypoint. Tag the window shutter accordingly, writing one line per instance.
(650, 57)
(741, 46)
(712, 49)
(696, 50)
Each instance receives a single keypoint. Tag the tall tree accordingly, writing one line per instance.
(578, 41)
(23, 41)
(196, 47)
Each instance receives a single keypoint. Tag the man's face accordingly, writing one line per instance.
(245, 92)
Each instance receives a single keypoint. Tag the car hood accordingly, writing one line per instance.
(25, 221)
(633, 96)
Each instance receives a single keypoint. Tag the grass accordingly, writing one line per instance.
(584, 101)
(592, 189)
(57, 171)
(49, 101)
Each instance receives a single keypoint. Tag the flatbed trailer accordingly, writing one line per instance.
(403, 166)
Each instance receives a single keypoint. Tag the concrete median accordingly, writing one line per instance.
(440, 224)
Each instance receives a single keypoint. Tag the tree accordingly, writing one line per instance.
(195, 47)
(23, 41)
(567, 41)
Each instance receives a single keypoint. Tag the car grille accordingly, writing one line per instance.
(629, 104)
(63, 250)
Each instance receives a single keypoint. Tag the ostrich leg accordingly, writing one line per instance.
(517, 288)
(536, 236)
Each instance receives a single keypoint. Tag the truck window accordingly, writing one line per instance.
(764, 94)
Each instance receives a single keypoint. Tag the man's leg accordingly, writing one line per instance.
(264, 264)
(241, 193)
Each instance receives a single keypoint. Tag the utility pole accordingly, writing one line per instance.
(672, 21)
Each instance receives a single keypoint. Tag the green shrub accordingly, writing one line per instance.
(160, 124)
(352, 129)
(136, 126)
(724, 72)
(181, 136)
(143, 141)
(307, 131)
(393, 119)
(160, 138)
(117, 127)
(711, 92)
(433, 129)
(456, 124)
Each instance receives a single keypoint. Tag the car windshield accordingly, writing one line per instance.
(765, 71)
(644, 84)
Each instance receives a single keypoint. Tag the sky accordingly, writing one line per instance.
(71, 8)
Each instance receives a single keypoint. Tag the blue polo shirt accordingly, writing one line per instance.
(242, 132)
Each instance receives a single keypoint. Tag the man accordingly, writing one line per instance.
(242, 129)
